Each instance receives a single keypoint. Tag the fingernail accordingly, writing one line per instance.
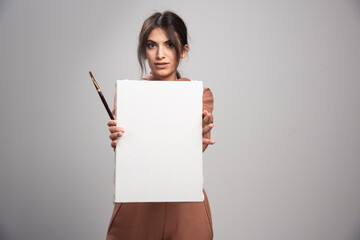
(119, 134)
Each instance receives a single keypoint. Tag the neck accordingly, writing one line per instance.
(171, 77)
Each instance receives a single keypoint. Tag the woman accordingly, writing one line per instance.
(163, 42)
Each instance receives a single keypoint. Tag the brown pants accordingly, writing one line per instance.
(161, 221)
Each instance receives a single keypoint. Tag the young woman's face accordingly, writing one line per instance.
(161, 55)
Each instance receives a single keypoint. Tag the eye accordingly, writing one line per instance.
(150, 45)
(170, 44)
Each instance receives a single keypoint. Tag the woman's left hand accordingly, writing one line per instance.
(207, 125)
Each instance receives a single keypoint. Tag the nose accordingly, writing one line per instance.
(160, 53)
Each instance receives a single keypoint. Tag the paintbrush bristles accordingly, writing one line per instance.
(94, 81)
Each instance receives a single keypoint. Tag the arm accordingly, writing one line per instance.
(115, 131)
(208, 106)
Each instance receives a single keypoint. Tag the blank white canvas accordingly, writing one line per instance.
(159, 157)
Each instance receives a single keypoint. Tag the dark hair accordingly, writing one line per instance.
(173, 26)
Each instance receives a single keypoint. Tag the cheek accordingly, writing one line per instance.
(173, 59)
(171, 53)
(150, 57)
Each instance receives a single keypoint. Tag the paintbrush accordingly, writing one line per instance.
(101, 96)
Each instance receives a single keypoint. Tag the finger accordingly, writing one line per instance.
(113, 144)
(113, 129)
(206, 119)
(208, 141)
(116, 135)
(204, 113)
(211, 120)
(112, 123)
(207, 128)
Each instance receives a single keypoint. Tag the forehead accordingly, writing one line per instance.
(158, 35)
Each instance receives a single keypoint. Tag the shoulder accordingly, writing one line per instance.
(207, 90)
(208, 99)
(207, 93)
(148, 77)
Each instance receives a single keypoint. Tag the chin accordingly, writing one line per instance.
(160, 75)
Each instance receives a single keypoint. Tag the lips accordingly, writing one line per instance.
(161, 64)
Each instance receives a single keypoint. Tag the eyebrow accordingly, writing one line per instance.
(149, 40)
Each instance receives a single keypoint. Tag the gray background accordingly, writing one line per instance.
(285, 78)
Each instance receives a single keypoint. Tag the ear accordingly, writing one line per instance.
(184, 51)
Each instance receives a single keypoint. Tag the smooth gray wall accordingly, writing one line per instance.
(285, 79)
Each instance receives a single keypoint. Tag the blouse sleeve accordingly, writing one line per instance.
(208, 104)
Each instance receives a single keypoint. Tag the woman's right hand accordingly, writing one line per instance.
(115, 132)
